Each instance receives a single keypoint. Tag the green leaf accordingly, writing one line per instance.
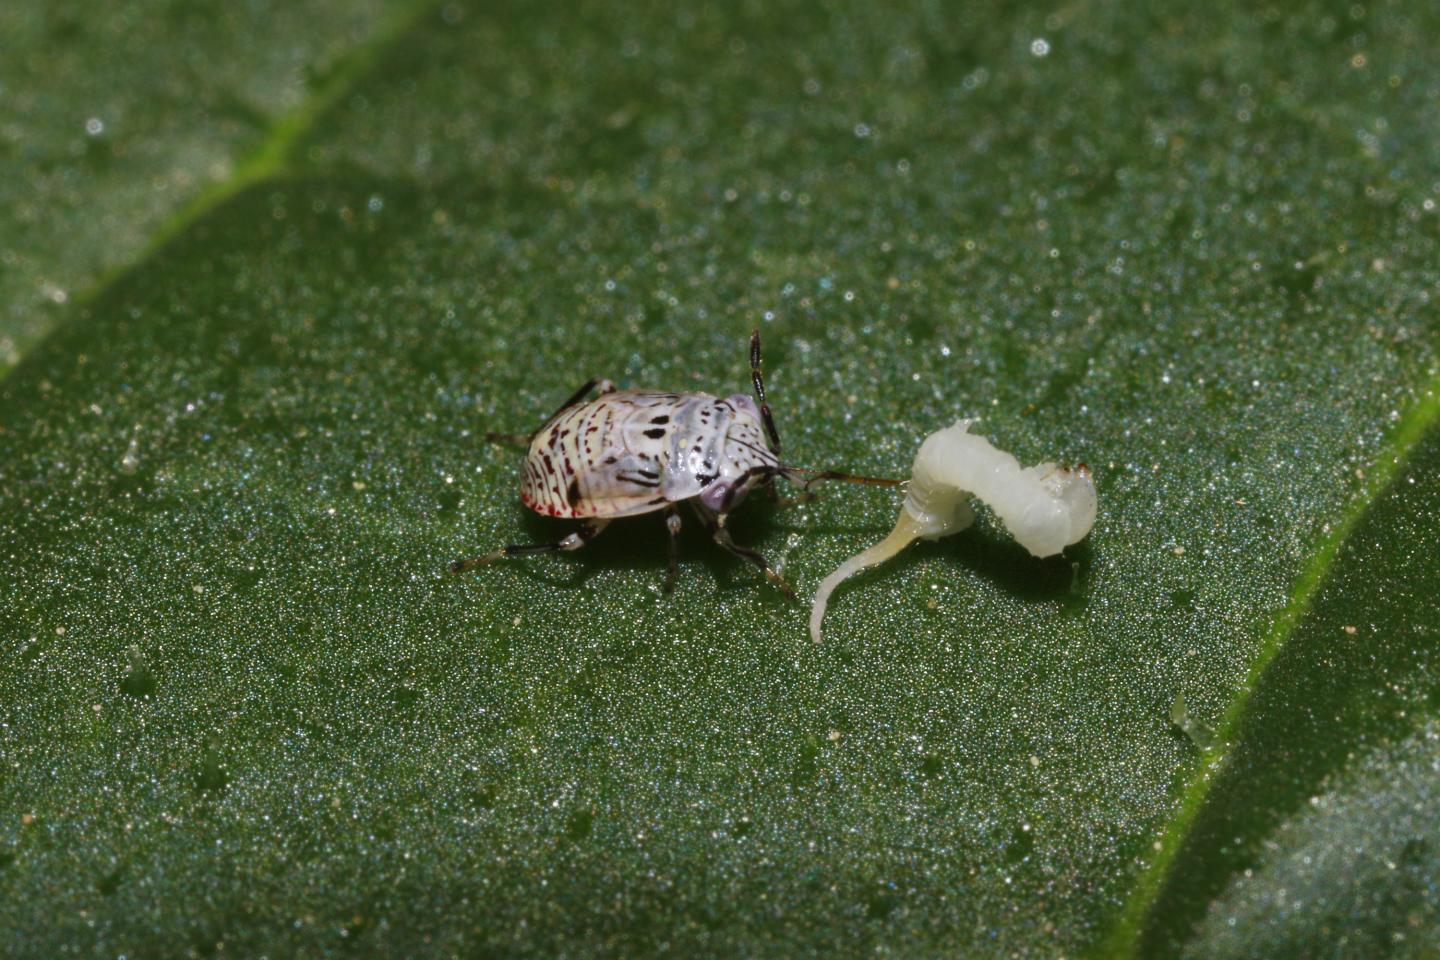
(243, 706)
(121, 125)
(1312, 785)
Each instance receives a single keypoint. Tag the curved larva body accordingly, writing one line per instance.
(1046, 507)
(629, 452)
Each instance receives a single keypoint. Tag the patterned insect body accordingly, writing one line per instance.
(630, 452)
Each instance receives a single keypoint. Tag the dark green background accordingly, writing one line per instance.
(260, 316)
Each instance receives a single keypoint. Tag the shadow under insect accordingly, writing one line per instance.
(640, 545)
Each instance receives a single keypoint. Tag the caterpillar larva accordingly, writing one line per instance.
(1045, 507)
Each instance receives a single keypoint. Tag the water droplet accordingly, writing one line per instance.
(138, 681)
(130, 462)
(1199, 733)
(1040, 47)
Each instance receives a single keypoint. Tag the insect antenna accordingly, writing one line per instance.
(759, 380)
(809, 478)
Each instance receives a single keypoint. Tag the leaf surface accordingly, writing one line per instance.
(245, 705)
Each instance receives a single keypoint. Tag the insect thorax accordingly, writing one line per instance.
(635, 451)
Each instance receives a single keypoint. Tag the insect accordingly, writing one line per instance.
(630, 452)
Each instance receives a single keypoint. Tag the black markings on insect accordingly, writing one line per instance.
(645, 451)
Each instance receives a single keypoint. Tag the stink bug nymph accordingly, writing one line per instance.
(628, 452)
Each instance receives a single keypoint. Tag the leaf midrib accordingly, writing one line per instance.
(1126, 936)
(271, 158)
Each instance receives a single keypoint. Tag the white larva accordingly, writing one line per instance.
(1045, 507)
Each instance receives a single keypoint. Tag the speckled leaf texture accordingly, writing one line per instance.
(271, 271)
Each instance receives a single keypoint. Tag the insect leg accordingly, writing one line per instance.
(606, 386)
(782, 502)
(575, 541)
(523, 439)
(742, 484)
(759, 380)
(672, 553)
(716, 522)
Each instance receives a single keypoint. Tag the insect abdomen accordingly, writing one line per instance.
(612, 456)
